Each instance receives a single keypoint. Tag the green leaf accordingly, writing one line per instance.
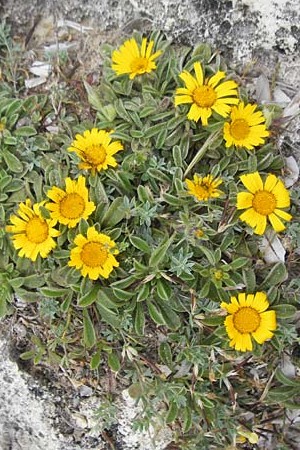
(177, 156)
(53, 292)
(114, 362)
(187, 419)
(208, 253)
(139, 319)
(89, 335)
(155, 314)
(65, 305)
(205, 289)
(115, 213)
(154, 130)
(13, 163)
(213, 321)
(249, 279)
(124, 283)
(89, 298)
(281, 394)
(26, 356)
(284, 311)
(107, 315)
(239, 262)
(25, 131)
(140, 244)
(94, 98)
(3, 307)
(276, 276)
(95, 360)
(159, 253)
(172, 413)
(171, 319)
(143, 292)
(287, 381)
(163, 290)
(165, 354)
(121, 294)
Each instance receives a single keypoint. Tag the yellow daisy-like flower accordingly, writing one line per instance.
(246, 127)
(94, 254)
(248, 319)
(206, 95)
(132, 60)
(96, 149)
(263, 201)
(72, 204)
(204, 188)
(32, 234)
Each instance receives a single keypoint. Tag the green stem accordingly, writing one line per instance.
(214, 136)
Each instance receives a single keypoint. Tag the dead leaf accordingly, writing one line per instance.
(271, 248)
(292, 171)
(262, 88)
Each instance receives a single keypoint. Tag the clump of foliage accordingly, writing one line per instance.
(165, 213)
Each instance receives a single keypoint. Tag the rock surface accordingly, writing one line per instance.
(261, 33)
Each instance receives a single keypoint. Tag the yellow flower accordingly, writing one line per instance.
(248, 319)
(95, 149)
(132, 60)
(33, 235)
(72, 204)
(206, 95)
(204, 188)
(94, 254)
(264, 200)
(246, 128)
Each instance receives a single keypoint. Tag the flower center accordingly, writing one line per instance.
(239, 129)
(94, 254)
(204, 96)
(37, 230)
(246, 320)
(218, 274)
(72, 206)
(95, 154)
(203, 190)
(139, 65)
(264, 202)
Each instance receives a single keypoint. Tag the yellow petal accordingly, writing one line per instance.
(252, 182)
(244, 200)
(215, 79)
(199, 73)
(276, 223)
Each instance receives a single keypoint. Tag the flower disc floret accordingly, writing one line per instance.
(204, 188)
(94, 254)
(32, 234)
(246, 127)
(132, 60)
(248, 318)
(71, 205)
(95, 148)
(263, 202)
(206, 95)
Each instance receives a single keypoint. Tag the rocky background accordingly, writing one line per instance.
(46, 411)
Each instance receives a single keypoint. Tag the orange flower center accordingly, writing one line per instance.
(139, 65)
(95, 154)
(37, 230)
(264, 202)
(204, 96)
(239, 129)
(72, 206)
(93, 254)
(246, 320)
